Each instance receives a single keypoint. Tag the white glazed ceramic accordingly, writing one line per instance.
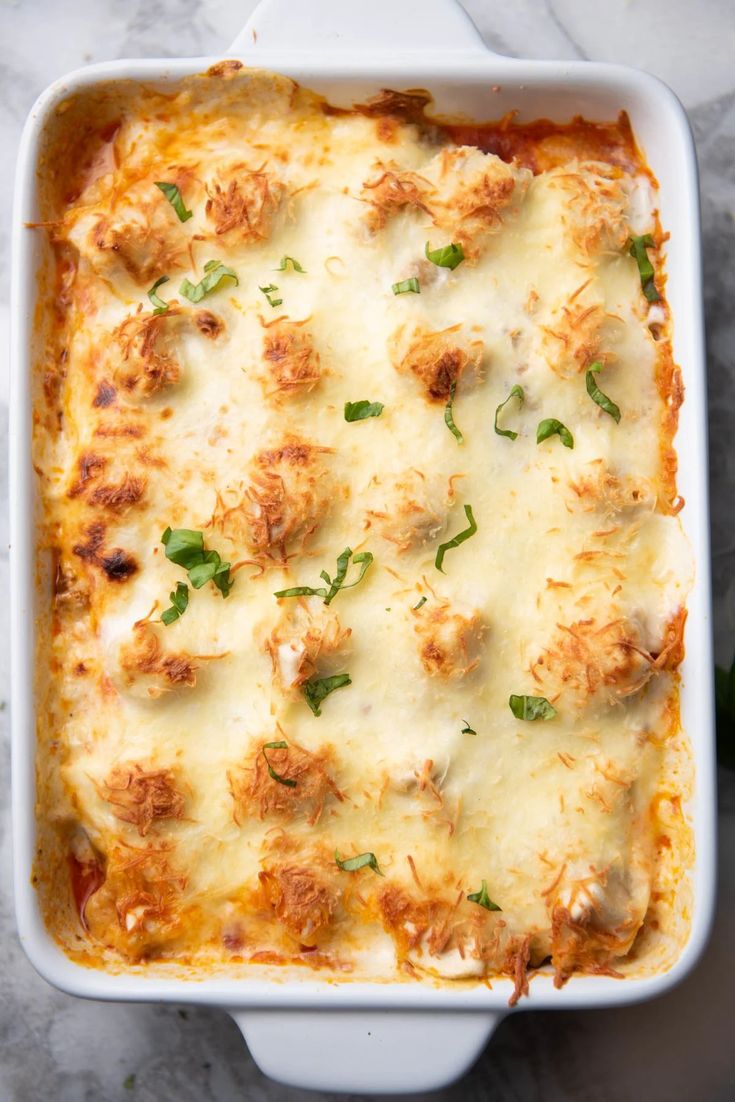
(377, 1037)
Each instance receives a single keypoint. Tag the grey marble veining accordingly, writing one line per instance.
(677, 1049)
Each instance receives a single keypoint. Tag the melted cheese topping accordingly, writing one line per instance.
(169, 828)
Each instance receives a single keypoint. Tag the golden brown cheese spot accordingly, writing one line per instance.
(119, 496)
(117, 564)
(208, 324)
(430, 922)
(449, 642)
(282, 506)
(393, 190)
(595, 207)
(437, 360)
(142, 796)
(611, 494)
(244, 202)
(577, 334)
(143, 358)
(71, 593)
(256, 793)
(411, 510)
(304, 643)
(590, 656)
(303, 900)
(291, 361)
(139, 907)
(475, 193)
(146, 670)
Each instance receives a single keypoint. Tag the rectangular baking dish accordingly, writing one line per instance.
(383, 1037)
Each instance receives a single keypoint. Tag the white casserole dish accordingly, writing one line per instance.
(377, 1037)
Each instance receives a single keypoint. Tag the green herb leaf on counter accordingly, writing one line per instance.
(160, 306)
(449, 416)
(552, 427)
(215, 272)
(725, 713)
(289, 264)
(407, 285)
(179, 603)
(448, 256)
(483, 898)
(638, 247)
(318, 688)
(516, 392)
(175, 198)
(282, 745)
(362, 861)
(363, 559)
(596, 394)
(457, 540)
(360, 411)
(185, 547)
(269, 292)
(531, 707)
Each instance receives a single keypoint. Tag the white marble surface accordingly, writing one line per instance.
(677, 1049)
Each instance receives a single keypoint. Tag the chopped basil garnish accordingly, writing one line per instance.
(179, 603)
(596, 394)
(363, 560)
(288, 262)
(457, 540)
(269, 292)
(516, 392)
(405, 285)
(449, 256)
(638, 246)
(186, 548)
(552, 427)
(215, 272)
(282, 745)
(362, 861)
(160, 306)
(467, 730)
(173, 195)
(531, 707)
(420, 603)
(483, 898)
(449, 419)
(319, 688)
(360, 411)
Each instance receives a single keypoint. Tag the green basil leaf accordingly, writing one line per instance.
(173, 195)
(363, 560)
(448, 256)
(179, 604)
(318, 688)
(516, 392)
(282, 745)
(362, 861)
(483, 898)
(420, 603)
(289, 262)
(269, 292)
(596, 394)
(637, 249)
(467, 730)
(215, 272)
(457, 540)
(160, 306)
(360, 411)
(531, 707)
(552, 427)
(406, 285)
(183, 546)
(449, 418)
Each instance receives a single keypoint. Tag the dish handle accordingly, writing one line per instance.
(363, 1051)
(365, 26)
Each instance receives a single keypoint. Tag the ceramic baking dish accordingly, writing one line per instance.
(356, 1036)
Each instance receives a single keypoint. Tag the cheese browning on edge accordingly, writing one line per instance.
(197, 780)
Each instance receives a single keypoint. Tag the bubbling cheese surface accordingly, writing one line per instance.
(193, 808)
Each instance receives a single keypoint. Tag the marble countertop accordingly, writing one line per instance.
(676, 1049)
